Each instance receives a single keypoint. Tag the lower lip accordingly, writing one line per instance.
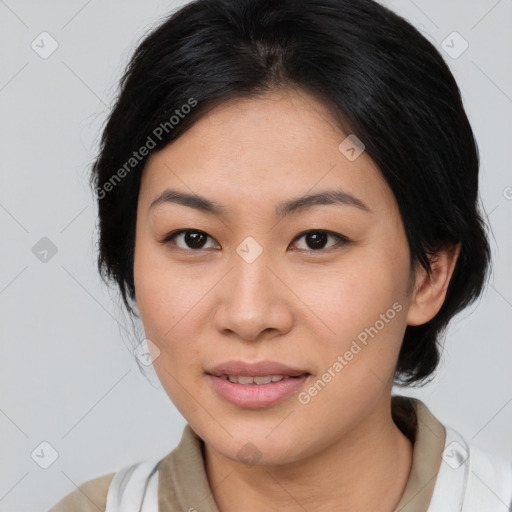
(256, 395)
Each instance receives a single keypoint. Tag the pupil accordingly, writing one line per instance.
(316, 240)
(192, 239)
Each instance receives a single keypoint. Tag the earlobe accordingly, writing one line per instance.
(430, 287)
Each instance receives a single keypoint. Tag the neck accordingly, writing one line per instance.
(366, 469)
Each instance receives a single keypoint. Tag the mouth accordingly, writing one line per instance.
(263, 380)
(255, 385)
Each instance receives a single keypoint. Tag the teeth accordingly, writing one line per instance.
(244, 379)
(263, 380)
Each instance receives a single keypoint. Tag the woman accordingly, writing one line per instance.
(287, 197)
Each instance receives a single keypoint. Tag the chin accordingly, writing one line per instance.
(254, 446)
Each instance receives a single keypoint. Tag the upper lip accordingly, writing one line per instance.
(258, 369)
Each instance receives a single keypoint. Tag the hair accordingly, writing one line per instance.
(383, 80)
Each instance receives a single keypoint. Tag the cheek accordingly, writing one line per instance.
(162, 297)
(168, 305)
(365, 309)
(164, 294)
(174, 311)
(362, 305)
(355, 293)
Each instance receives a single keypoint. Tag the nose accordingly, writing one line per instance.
(254, 303)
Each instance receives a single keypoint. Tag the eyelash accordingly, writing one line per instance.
(343, 240)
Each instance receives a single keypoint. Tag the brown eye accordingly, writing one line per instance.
(195, 240)
(188, 239)
(316, 240)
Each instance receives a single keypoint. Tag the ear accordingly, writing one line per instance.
(430, 287)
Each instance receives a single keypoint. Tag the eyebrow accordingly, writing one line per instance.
(339, 197)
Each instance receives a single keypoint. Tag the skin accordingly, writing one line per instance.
(294, 304)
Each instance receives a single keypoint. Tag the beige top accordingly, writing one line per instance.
(183, 484)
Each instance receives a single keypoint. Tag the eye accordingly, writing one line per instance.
(189, 238)
(195, 240)
(317, 239)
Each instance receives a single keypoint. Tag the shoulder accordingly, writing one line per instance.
(484, 464)
(471, 478)
(468, 478)
(492, 472)
(180, 474)
(90, 496)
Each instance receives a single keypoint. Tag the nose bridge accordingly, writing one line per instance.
(251, 278)
(251, 301)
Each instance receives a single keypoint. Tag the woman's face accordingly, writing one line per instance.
(253, 281)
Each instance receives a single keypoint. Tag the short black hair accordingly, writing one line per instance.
(383, 80)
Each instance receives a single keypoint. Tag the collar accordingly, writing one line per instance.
(183, 484)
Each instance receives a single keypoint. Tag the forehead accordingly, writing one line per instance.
(279, 145)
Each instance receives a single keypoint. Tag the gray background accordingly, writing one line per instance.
(67, 376)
